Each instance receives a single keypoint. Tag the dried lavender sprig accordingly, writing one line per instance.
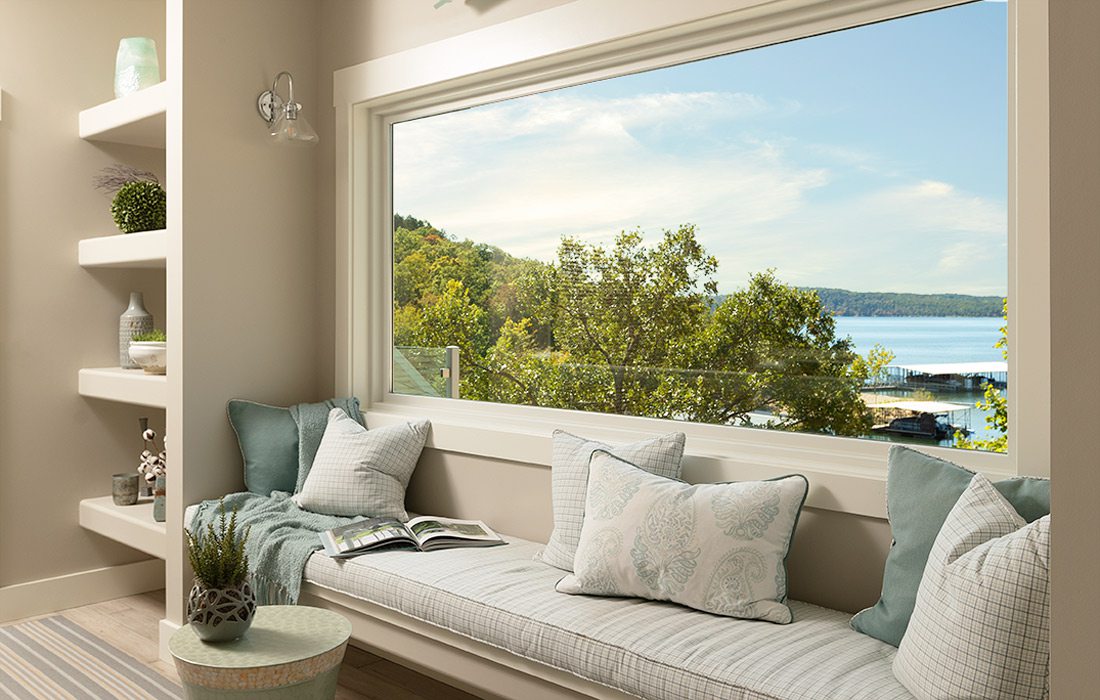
(113, 177)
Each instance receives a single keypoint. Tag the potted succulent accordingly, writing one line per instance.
(150, 351)
(222, 603)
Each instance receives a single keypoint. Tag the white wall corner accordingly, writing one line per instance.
(167, 629)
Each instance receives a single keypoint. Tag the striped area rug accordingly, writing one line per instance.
(56, 659)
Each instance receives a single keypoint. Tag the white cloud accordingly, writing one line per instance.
(579, 167)
(934, 205)
(520, 174)
(962, 255)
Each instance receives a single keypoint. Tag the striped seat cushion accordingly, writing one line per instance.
(502, 597)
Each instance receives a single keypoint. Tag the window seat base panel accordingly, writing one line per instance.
(503, 601)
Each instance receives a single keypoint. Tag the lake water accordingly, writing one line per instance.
(916, 340)
(925, 339)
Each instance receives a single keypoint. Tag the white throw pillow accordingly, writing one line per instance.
(720, 548)
(981, 624)
(569, 481)
(362, 472)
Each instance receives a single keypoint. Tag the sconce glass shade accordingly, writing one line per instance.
(293, 130)
(284, 121)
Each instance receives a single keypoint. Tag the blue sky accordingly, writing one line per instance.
(872, 159)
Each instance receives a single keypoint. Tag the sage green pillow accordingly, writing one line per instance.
(268, 437)
(920, 491)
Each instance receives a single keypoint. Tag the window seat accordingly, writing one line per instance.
(504, 602)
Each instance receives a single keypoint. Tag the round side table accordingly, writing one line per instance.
(290, 653)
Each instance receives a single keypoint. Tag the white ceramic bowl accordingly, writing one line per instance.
(151, 355)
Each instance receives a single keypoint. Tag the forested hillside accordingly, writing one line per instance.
(845, 303)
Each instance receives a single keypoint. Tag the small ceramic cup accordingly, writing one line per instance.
(124, 489)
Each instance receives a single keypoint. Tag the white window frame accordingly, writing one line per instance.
(590, 39)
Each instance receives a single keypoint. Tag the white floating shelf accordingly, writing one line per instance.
(137, 119)
(145, 249)
(133, 525)
(124, 385)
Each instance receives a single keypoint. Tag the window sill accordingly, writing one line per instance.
(847, 478)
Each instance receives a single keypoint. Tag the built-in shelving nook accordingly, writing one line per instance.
(130, 250)
(124, 385)
(133, 525)
(247, 212)
(136, 120)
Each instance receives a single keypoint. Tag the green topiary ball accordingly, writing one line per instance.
(139, 206)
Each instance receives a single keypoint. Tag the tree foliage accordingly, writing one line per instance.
(629, 328)
(994, 403)
(771, 349)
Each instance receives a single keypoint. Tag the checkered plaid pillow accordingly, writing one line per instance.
(981, 625)
(363, 472)
(569, 483)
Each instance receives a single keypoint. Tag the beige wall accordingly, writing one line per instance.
(243, 266)
(56, 58)
(1075, 329)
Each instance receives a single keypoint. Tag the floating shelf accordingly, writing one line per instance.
(137, 119)
(124, 385)
(145, 249)
(133, 525)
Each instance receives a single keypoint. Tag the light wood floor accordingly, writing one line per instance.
(131, 625)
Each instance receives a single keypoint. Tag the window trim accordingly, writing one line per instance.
(591, 39)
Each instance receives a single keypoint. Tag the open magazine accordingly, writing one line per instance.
(424, 533)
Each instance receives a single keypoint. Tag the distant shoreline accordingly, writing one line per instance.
(842, 302)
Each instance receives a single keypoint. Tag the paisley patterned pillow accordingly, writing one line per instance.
(720, 548)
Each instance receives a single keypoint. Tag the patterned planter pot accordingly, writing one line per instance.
(221, 614)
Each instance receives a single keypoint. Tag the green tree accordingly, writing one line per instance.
(994, 403)
(410, 223)
(630, 329)
(630, 309)
(769, 355)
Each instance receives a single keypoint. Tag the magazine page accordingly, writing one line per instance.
(427, 528)
(363, 535)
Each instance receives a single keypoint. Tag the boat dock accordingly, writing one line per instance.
(947, 376)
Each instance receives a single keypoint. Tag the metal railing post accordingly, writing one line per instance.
(450, 372)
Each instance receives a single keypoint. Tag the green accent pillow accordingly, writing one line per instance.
(268, 437)
(920, 491)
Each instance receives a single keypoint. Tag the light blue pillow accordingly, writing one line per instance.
(268, 438)
(920, 491)
(276, 442)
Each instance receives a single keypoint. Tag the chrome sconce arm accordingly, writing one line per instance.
(284, 121)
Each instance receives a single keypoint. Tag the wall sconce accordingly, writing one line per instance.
(282, 116)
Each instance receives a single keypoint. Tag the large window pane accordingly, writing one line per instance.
(810, 236)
